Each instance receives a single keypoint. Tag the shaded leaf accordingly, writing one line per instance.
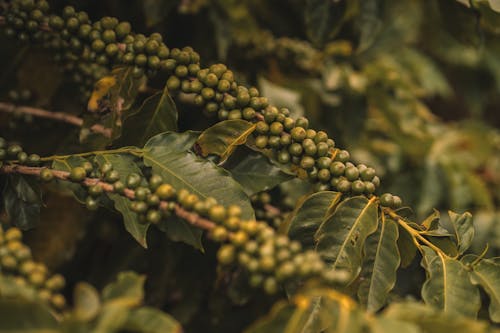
(222, 138)
(310, 214)
(183, 169)
(253, 171)
(406, 247)
(325, 18)
(179, 230)
(486, 273)
(463, 228)
(448, 286)
(340, 239)
(22, 201)
(380, 265)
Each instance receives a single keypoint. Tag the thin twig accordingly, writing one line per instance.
(59, 116)
(193, 218)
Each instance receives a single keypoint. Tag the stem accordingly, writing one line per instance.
(414, 233)
(193, 218)
(127, 150)
(60, 116)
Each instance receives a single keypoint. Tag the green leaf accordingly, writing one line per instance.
(432, 320)
(253, 171)
(182, 169)
(340, 239)
(463, 228)
(406, 247)
(324, 19)
(19, 316)
(127, 289)
(486, 273)
(448, 286)
(151, 320)
(22, 201)
(179, 230)
(156, 115)
(86, 302)
(222, 138)
(124, 165)
(390, 325)
(381, 263)
(310, 214)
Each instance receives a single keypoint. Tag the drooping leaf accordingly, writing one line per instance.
(448, 286)
(179, 230)
(406, 247)
(486, 273)
(464, 229)
(156, 115)
(253, 171)
(151, 320)
(86, 302)
(340, 239)
(222, 138)
(310, 214)
(22, 201)
(183, 169)
(380, 265)
(20, 316)
(124, 165)
(325, 18)
(128, 288)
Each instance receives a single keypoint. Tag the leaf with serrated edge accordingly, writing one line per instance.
(463, 229)
(222, 138)
(448, 286)
(381, 263)
(340, 239)
(199, 176)
(124, 165)
(310, 214)
(486, 273)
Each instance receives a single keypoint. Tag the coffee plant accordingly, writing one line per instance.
(249, 166)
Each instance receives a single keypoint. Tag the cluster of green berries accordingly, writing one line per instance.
(259, 202)
(10, 152)
(25, 18)
(20, 97)
(16, 261)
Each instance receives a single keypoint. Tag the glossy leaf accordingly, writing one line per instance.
(253, 171)
(463, 228)
(156, 115)
(448, 286)
(183, 169)
(124, 165)
(340, 239)
(222, 138)
(380, 266)
(310, 214)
